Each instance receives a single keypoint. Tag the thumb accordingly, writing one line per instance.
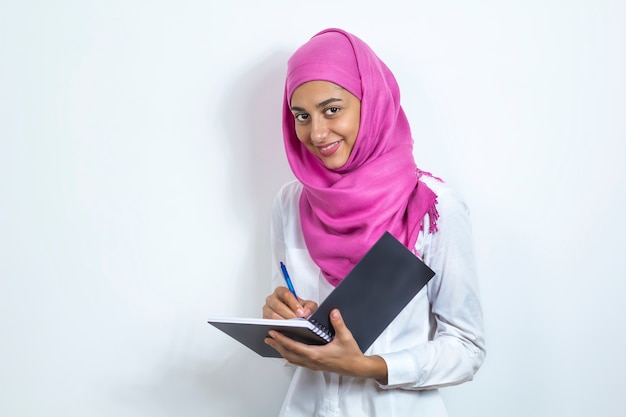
(337, 322)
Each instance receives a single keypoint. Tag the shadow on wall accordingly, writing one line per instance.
(251, 112)
(243, 383)
(252, 117)
(237, 382)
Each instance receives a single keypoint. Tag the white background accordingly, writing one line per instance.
(140, 149)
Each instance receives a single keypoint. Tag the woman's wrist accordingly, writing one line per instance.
(375, 367)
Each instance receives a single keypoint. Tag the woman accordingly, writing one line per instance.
(349, 145)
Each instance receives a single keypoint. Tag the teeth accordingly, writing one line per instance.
(325, 148)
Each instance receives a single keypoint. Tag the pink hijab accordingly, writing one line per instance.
(345, 211)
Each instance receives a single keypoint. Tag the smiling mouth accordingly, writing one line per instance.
(329, 149)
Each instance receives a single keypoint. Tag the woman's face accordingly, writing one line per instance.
(327, 120)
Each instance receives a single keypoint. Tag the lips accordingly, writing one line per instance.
(328, 150)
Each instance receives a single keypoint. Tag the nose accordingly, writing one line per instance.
(319, 130)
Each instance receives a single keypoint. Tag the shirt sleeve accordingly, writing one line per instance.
(457, 349)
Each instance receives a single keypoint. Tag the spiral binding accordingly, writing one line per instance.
(322, 331)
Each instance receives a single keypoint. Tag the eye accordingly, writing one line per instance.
(301, 117)
(331, 111)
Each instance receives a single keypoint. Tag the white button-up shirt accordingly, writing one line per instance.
(437, 340)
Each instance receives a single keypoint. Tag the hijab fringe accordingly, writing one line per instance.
(433, 213)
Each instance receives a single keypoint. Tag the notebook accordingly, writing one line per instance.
(373, 293)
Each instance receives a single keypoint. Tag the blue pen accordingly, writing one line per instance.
(288, 280)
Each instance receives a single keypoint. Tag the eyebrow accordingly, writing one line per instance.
(319, 105)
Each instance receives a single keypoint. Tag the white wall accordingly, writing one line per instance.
(140, 149)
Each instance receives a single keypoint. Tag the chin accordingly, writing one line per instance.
(334, 164)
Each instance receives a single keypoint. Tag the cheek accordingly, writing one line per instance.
(355, 127)
(357, 122)
(301, 133)
(350, 128)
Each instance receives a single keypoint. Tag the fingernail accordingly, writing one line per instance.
(300, 312)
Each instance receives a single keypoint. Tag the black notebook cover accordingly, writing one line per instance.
(252, 332)
(379, 286)
(374, 292)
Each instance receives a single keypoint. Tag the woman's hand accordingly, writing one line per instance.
(342, 355)
(282, 304)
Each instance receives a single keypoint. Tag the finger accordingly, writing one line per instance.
(277, 307)
(278, 347)
(277, 341)
(269, 340)
(336, 320)
(288, 348)
(280, 339)
(309, 307)
(269, 313)
(291, 301)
